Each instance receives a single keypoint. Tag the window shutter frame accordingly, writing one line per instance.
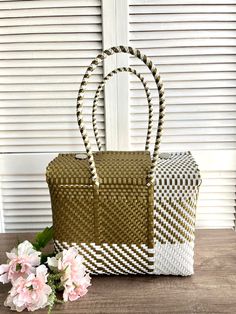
(116, 99)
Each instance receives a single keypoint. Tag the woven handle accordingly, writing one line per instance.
(148, 95)
(160, 87)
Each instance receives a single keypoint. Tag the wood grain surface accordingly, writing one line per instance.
(212, 289)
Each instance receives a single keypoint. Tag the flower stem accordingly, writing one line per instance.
(52, 282)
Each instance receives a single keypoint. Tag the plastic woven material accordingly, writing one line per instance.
(123, 251)
(126, 212)
(122, 212)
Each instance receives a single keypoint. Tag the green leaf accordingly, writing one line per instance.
(42, 238)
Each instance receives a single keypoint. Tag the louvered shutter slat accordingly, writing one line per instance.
(46, 47)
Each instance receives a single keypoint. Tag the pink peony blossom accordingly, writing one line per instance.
(22, 262)
(30, 293)
(74, 278)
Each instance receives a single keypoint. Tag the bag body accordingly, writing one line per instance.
(126, 212)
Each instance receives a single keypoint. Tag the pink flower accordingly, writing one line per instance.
(22, 262)
(30, 293)
(74, 291)
(74, 277)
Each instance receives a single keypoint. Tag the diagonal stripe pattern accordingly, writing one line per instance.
(125, 212)
(113, 259)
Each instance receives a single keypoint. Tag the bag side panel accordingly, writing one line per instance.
(175, 200)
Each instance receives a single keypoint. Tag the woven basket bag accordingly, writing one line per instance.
(126, 212)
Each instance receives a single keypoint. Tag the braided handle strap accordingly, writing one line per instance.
(160, 87)
(148, 95)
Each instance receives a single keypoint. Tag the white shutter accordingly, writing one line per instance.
(26, 201)
(193, 44)
(45, 49)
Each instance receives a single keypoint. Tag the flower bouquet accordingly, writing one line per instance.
(38, 278)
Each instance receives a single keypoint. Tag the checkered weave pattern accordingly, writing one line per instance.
(176, 189)
(126, 212)
(113, 229)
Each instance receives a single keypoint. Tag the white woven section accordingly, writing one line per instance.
(174, 259)
(113, 258)
(175, 200)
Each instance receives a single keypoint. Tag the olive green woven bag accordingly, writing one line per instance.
(126, 212)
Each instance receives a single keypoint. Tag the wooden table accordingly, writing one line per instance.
(212, 289)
